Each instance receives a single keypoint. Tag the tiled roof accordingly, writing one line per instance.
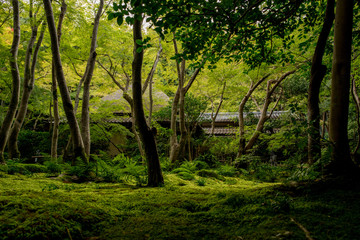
(221, 131)
(234, 116)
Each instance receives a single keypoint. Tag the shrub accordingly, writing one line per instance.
(33, 143)
(201, 182)
(53, 168)
(227, 171)
(209, 158)
(107, 172)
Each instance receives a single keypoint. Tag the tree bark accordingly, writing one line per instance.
(14, 101)
(214, 116)
(28, 83)
(264, 115)
(340, 86)
(85, 116)
(318, 71)
(55, 132)
(242, 139)
(155, 177)
(177, 147)
(79, 150)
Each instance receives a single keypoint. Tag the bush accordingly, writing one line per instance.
(53, 168)
(209, 159)
(227, 171)
(201, 182)
(13, 167)
(33, 143)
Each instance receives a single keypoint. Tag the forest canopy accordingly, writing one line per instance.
(161, 81)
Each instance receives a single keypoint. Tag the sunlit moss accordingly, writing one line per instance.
(37, 207)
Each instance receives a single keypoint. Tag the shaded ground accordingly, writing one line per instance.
(36, 207)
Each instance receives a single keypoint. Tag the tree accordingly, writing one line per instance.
(6, 126)
(85, 117)
(124, 86)
(79, 150)
(29, 79)
(318, 71)
(55, 132)
(178, 105)
(272, 84)
(341, 162)
(155, 177)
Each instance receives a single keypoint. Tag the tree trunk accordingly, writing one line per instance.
(79, 150)
(10, 114)
(85, 116)
(264, 115)
(28, 84)
(340, 86)
(242, 140)
(155, 177)
(55, 132)
(318, 71)
(177, 147)
(213, 117)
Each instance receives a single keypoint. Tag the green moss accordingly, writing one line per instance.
(35, 207)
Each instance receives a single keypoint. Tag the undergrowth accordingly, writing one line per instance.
(37, 207)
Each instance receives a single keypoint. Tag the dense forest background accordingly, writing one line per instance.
(240, 113)
(179, 61)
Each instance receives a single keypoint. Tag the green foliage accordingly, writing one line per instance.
(33, 143)
(40, 208)
(186, 175)
(201, 182)
(53, 168)
(209, 159)
(121, 169)
(222, 148)
(82, 171)
(227, 170)
(13, 167)
(208, 173)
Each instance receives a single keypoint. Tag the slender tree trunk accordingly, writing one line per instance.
(213, 117)
(6, 126)
(28, 84)
(340, 86)
(323, 128)
(133, 123)
(79, 150)
(242, 140)
(318, 71)
(174, 145)
(85, 116)
(55, 132)
(264, 115)
(177, 147)
(56, 121)
(155, 177)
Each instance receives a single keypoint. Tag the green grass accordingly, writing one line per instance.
(36, 207)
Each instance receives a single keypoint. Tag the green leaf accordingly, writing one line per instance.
(139, 42)
(139, 49)
(111, 16)
(115, 6)
(129, 20)
(120, 20)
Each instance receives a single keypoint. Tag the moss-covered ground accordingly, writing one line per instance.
(38, 207)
